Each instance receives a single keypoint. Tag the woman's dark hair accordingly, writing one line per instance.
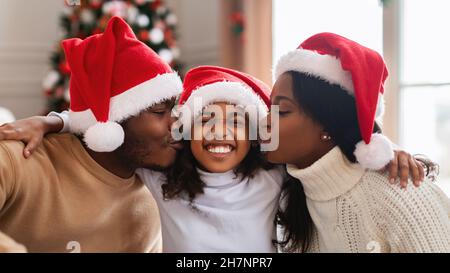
(335, 109)
(184, 179)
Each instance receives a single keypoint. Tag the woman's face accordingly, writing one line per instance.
(223, 142)
(300, 137)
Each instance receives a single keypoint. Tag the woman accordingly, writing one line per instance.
(334, 201)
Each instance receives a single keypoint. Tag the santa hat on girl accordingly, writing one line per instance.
(358, 70)
(114, 76)
(218, 84)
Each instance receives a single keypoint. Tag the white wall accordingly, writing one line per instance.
(28, 32)
(198, 30)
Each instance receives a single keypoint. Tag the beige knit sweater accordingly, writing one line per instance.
(355, 210)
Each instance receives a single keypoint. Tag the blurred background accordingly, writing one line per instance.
(249, 35)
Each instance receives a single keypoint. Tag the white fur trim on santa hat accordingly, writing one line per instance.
(325, 67)
(145, 95)
(104, 136)
(132, 101)
(231, 92)
(375, 155)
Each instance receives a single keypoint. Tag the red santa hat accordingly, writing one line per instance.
(218, 84)
(114, 76)
(358, 70)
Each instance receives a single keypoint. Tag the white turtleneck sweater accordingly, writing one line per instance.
(232, 215)
(355, 210)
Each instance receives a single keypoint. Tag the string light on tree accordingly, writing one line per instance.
(166, 55)
(156, 36)
(142, 20)
(171, 19)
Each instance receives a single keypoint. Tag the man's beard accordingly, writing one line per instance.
(134, 151)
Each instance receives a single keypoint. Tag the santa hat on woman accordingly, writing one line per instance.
(209, 84)
(358, 70)
(114, 76)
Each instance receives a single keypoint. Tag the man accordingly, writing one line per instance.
(86, 197)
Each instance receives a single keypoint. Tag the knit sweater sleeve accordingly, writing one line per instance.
(412, 220)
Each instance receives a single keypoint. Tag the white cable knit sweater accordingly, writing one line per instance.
(354, 210)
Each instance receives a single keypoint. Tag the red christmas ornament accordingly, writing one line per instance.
(59, 92)
(64, 68)
(155, 4)
(237, 17)
(170, 41)
(95, 4)
(144, 35)
(48, 93)
(74, 17)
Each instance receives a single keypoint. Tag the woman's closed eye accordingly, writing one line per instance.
(285, 105)
(283, 113)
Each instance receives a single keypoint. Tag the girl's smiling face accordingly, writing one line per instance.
(220, 142)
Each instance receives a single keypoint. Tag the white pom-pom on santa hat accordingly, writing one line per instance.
(376, 154)
(104, 136)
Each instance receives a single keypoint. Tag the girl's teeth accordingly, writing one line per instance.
(219, 149)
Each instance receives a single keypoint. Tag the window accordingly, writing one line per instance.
(425, 81)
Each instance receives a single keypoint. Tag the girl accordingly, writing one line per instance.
(327, 91)
(220, 195)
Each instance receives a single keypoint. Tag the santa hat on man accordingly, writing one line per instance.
(209, 84)
(114, 76)
(358, 70)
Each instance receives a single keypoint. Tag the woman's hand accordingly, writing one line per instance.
(30, 131)
(404, 166)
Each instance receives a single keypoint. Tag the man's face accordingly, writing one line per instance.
(148, 142)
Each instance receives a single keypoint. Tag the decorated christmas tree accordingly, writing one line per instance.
(152, 22)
